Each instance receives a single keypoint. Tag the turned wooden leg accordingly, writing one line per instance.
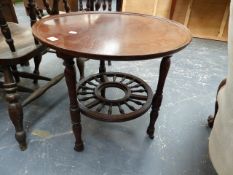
(212, 118)
(102, 69)
(119, 5)
(14, 68)
(70, 76)
(14, 107)
(81, 65)
(157, 99)
(37, 60)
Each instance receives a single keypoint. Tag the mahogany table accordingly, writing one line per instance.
(118, 37)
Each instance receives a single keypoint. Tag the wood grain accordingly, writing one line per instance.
(121, 36)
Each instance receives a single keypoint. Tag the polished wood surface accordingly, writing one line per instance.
(121, 36)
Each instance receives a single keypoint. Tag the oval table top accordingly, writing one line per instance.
(112, 36)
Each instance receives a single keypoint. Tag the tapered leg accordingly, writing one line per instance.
(14, 68)
(70, 76)
(157, 99)
(212, 118)
(37, 60)
(81, 65)
(14, 107)
(102, 69)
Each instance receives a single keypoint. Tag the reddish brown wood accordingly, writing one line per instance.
(70, 75)
(14, 107)
(112, 36)
(157, 99)
(145, 37)
(90, 95)
(211, 118)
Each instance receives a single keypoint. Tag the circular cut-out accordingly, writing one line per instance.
(135, 98)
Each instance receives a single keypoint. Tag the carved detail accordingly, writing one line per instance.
(157, 99)
(92, 5)
(6, 31)
(136, 100)
(32, 14)
(14, 107)
(70, 76)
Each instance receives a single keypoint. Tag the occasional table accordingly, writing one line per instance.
(112, 36)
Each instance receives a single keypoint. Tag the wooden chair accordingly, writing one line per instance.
(18, 45)
(52, 7)
(96, 5)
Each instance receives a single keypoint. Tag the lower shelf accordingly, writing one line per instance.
(134, 100)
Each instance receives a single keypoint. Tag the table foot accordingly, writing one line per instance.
(157, 99)
(79, 147)
(77, 129)
(21, 138)
(150, 132)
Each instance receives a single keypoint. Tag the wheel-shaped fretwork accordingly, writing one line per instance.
(136, 99)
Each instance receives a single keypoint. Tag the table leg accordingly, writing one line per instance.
(102, 69)
(14, 107)
(70, 76)
(157, 99)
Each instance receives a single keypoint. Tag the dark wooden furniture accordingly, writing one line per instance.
(18, 45)
(73, 4)
(52, 7)
(118, 37)
(95, 5)
(9, 11)
(211, 118)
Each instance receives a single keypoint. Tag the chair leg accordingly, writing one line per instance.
(81, 65)
(37, 60)
(211, 118)
(14, 68)
(102, 68)
(14, 107)
(26, 63)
